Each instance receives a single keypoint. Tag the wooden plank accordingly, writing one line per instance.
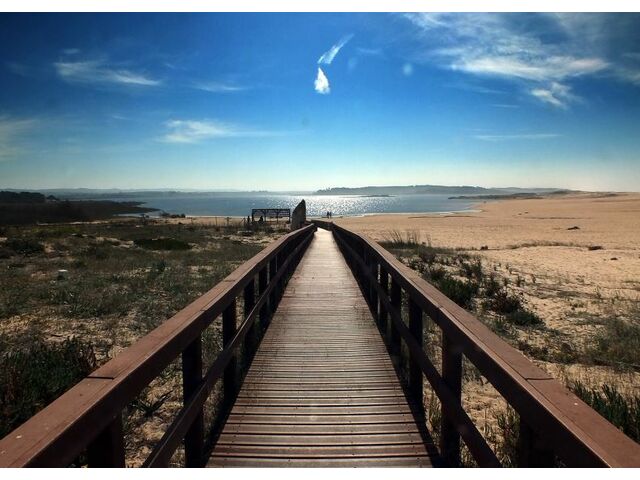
(321, 390)
(393, 462)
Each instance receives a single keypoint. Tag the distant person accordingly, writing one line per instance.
(261, 220)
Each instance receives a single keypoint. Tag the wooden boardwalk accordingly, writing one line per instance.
(322, 390)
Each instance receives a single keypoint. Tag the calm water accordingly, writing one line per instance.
(317, 205)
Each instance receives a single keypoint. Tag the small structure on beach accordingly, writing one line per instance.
(265, 213)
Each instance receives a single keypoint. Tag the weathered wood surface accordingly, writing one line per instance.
(322, 390)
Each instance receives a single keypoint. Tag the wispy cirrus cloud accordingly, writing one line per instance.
(197, 131)
(322, 83)
(370, 52)
(517, 136)
(544, 53)
(327, 57)
(100, 73)
(556, 94)
(220, 87)
(12, 131)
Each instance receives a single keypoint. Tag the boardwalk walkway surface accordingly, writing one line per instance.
(321, 390)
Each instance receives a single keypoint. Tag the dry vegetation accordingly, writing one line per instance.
(599, 361)
(123, 279)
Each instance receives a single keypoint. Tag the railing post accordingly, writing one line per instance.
(364, 278)
(384, 283)
(231, 371)
(452, 376)
(262, 287)
(249, 300)
(191, 378)
(107, 449)
(531, 451)
(415, 372)
(373, 293)
(273, 269)
(392, 332)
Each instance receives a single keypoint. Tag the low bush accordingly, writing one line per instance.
(399, 239)
(617, 344)
(620, 409)
(461, 292)
(503, 303)
(24, 246)
(162, 244)
(32, 376)
(491, 286)
(523, 318)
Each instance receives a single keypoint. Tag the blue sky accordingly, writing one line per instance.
(306, 101)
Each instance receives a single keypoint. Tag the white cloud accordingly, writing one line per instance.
(555, 94)
(11, 131)
(195, 131)
(516, 136)
(328, 56)
(322, 83)
(97, 72)
(629, 74)
(220, 87)
(502, 45)
(371, 52)
(71, 51)
(407, 69)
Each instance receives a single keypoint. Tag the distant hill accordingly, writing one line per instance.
(430, 189)
(20, 208)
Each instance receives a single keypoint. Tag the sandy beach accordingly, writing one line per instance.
(554, 237)
(577, 257)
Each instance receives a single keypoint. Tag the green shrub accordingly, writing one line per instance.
(33, 376)
(24, 246)
(491, 286)
(621, 410)
(472, 269)
(427, 254)
(398, 239)
(461, 292)
(162, 244)
(436, 274)
(523, 318)
(504, 303)
(618, 344)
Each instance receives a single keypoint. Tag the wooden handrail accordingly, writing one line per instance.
(88, 416)
(554, 421)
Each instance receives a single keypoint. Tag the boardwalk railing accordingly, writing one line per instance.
(554, 423)
(87, 419)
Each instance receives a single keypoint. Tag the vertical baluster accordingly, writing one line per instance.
(392, 332)
(373, 293)
(262, 287)
(231, 371)
(251, 340)
(384, 283)
(191, 378)
(273, 269)
(107, 449)
(531, 450)
(415, 372)
(452, 376)
(364, 278)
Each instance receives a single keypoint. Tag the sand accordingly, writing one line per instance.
(537, 238)
(534, 243)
